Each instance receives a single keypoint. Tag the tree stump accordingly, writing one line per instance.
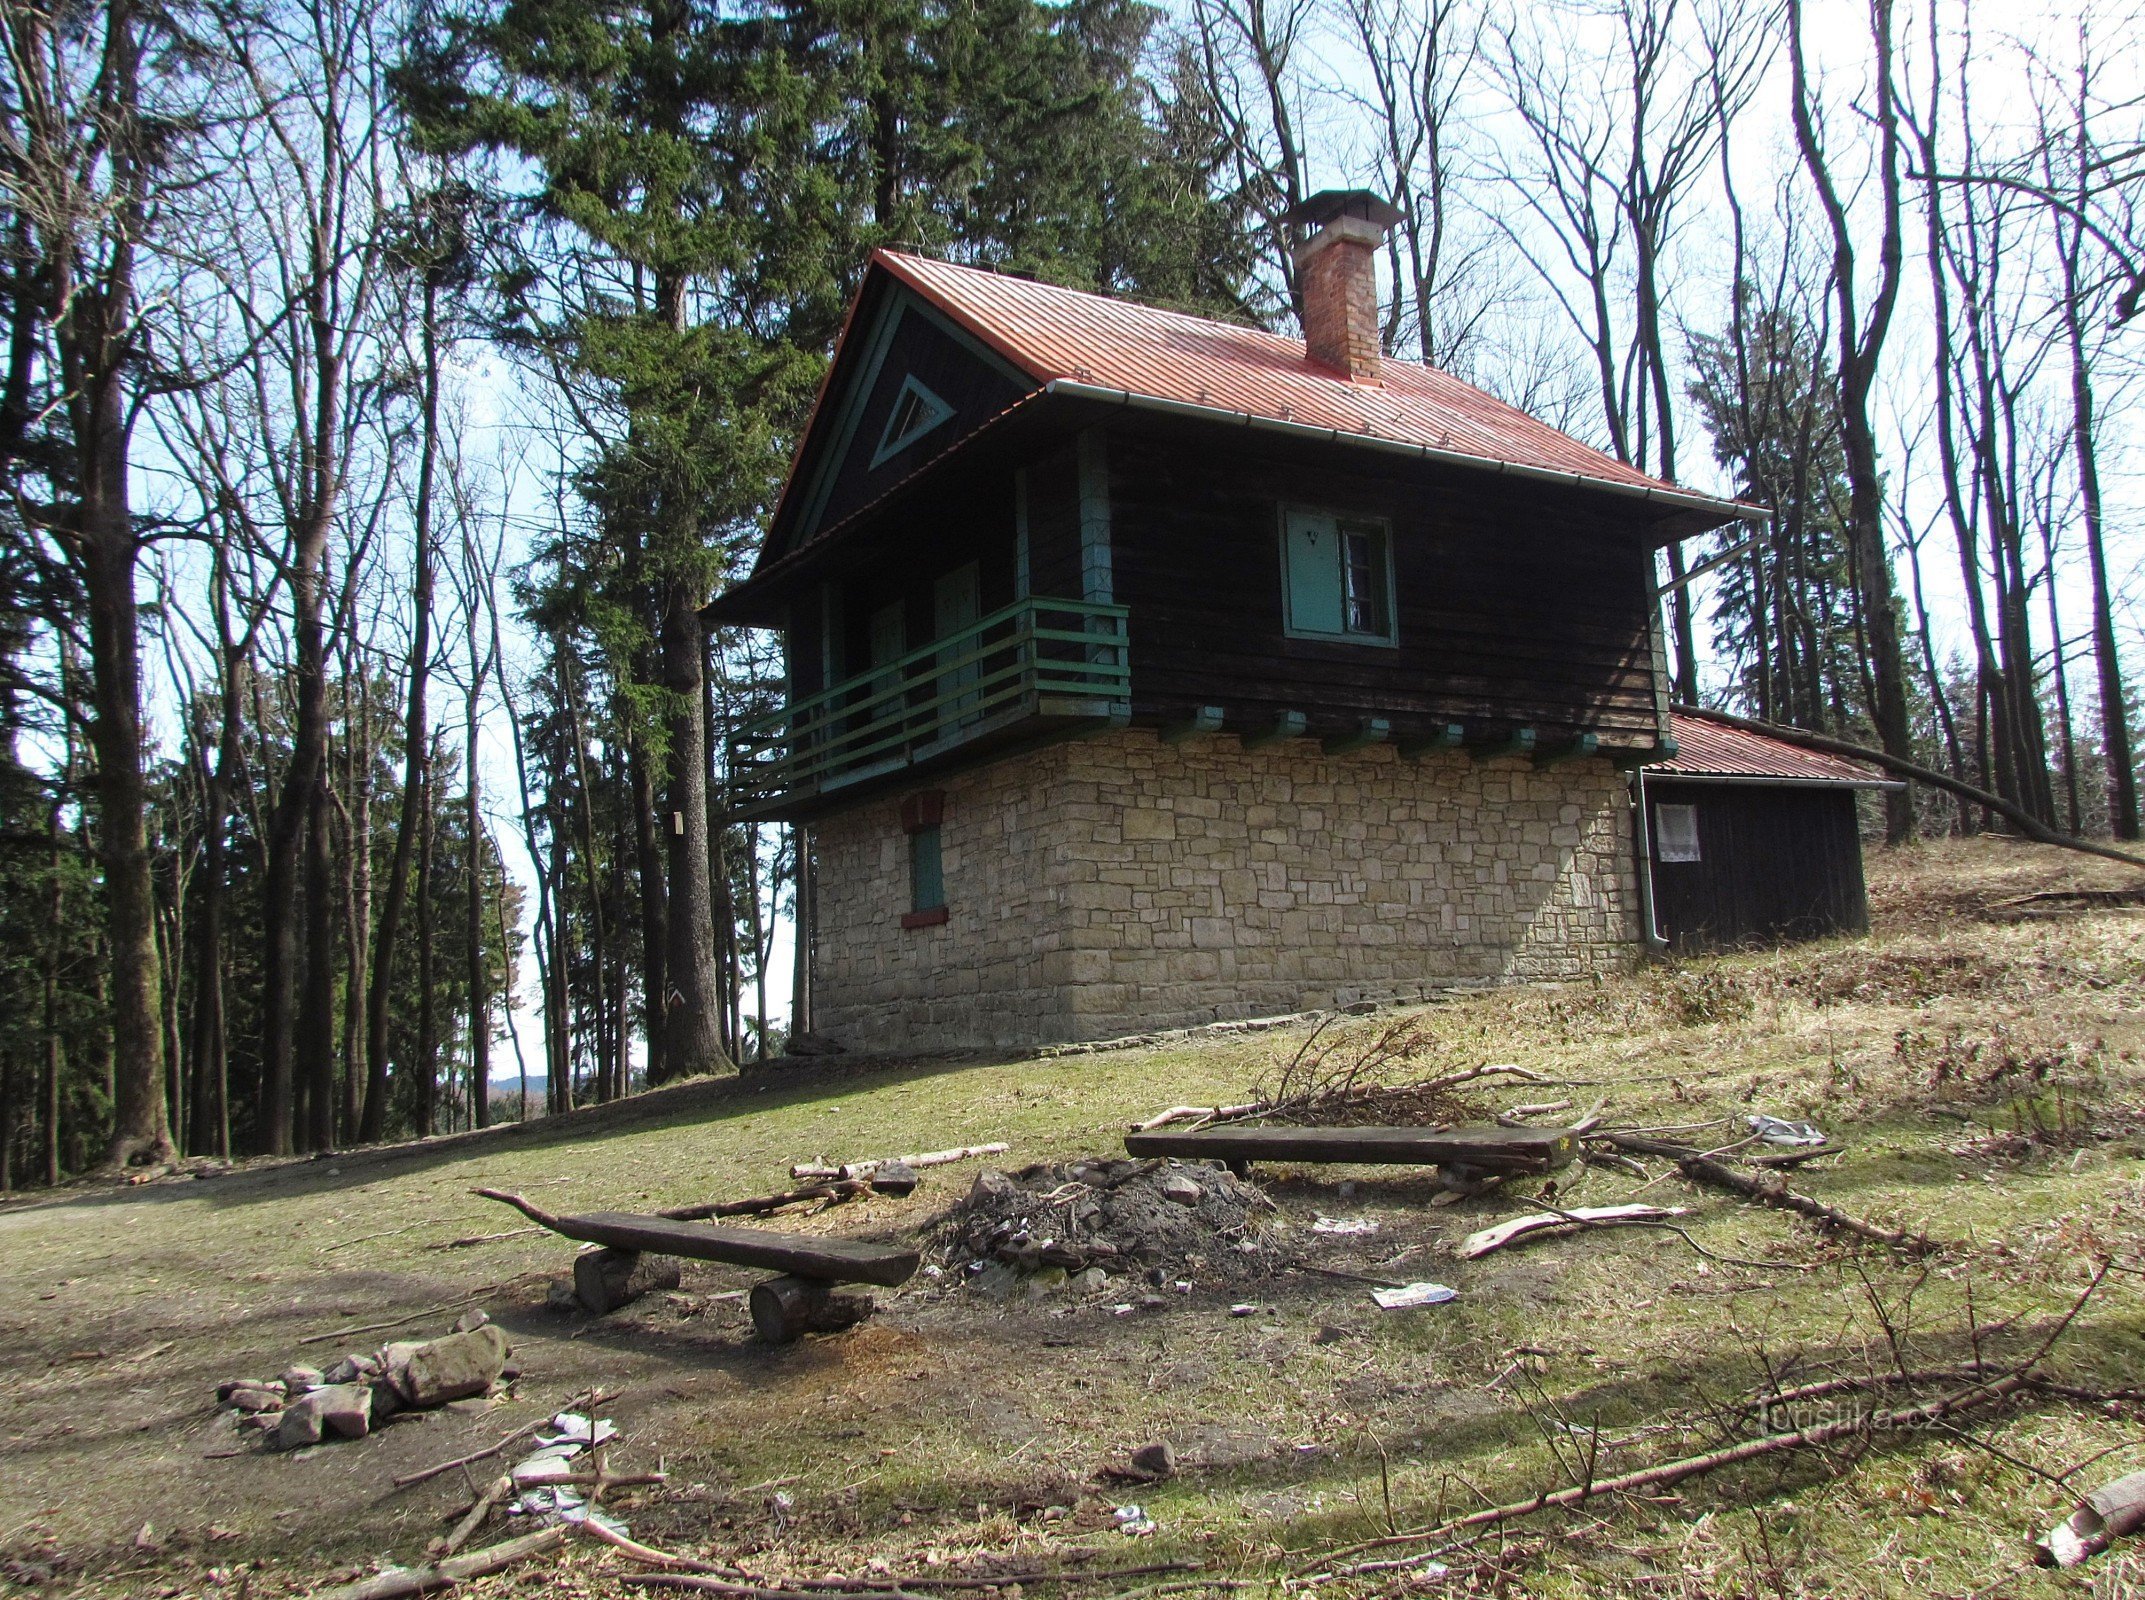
(604, 1280)
(786, 1308)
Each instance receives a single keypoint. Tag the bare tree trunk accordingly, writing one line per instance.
(139, 1128)
(427, 1013)
(480, 1006)
(414, 731)
(692, 1037)
(357, 910)
(2107, 659)
(316, 1017)
(654, 904)
(1861, 347)
(49, 1087)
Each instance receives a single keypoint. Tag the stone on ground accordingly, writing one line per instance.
(453, 1368)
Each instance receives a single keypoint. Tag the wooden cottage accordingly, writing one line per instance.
(1750, 841)
(1148, 670)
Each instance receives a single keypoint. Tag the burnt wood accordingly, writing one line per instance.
(1490, 1148)
(800, 1255)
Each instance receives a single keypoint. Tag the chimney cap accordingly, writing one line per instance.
(1329, 204)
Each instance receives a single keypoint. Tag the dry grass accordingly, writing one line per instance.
(1979, 1059)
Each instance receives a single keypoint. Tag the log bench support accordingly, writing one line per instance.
(785, 1309)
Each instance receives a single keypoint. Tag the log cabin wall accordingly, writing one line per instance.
(1517, 603)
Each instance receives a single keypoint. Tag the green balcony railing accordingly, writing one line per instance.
(1035, 659)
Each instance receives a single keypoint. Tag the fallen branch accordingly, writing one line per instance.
(1518, 1228)
(585, 1401)
(1060, 1575)
(1667, 1474)
(745, 1591)
(396, 1322)
(1768, 1189)
(805, 1170)
(634, 1550)
(499, 1488)
(468, 1240)
(900, 1584)
(1538, 1108)
(760, 1206)
(1984, 1392)
(1163, 1119)
(397, 1582)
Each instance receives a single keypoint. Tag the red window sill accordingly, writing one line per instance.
(924, 919)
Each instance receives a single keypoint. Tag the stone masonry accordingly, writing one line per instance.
(1118, 884)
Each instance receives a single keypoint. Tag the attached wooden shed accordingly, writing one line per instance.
(1749, 841)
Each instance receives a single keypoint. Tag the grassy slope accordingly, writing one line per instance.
(947, 1424)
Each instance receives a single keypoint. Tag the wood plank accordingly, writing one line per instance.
(800, 1255)
(1495, 1149)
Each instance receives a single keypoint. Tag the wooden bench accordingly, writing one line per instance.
(803, 1299)
(1485, 1149)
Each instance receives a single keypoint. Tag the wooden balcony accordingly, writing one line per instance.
(1037, 670)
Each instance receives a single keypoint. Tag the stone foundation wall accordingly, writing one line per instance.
(1118, 884)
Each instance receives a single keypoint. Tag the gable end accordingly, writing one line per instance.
(918, 387)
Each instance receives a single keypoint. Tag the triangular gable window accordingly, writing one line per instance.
(916, 412)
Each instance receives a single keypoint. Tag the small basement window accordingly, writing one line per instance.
(920, 819)
(915, 413)
(1337, 577)
(1675, 833)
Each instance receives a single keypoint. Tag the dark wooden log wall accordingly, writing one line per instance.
(976, 390)
(1775, 865)
(1519, 604)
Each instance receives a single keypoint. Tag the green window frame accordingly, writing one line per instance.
(927, 876)
(1337, 577)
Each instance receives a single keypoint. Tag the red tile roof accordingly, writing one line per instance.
(1709, 749)
(1069, 337)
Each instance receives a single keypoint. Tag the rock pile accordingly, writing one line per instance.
(1089, 1221)
(306, 1405)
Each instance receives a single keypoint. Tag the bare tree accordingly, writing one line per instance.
(1861, 347)
(94, 156)
(2075, 173)
(1250, 55)
(1617, 138)
(1422, 60)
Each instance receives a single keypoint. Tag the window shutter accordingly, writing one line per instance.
(1312, 564)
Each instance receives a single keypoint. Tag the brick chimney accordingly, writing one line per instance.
(1339, 233)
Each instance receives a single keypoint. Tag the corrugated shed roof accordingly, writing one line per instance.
(1062, 334)
(1709, 749)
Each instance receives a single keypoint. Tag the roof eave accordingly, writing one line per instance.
(1692, 513)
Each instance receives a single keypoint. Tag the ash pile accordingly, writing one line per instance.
(1086, 1223)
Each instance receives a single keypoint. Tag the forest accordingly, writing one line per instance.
(387, 387)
